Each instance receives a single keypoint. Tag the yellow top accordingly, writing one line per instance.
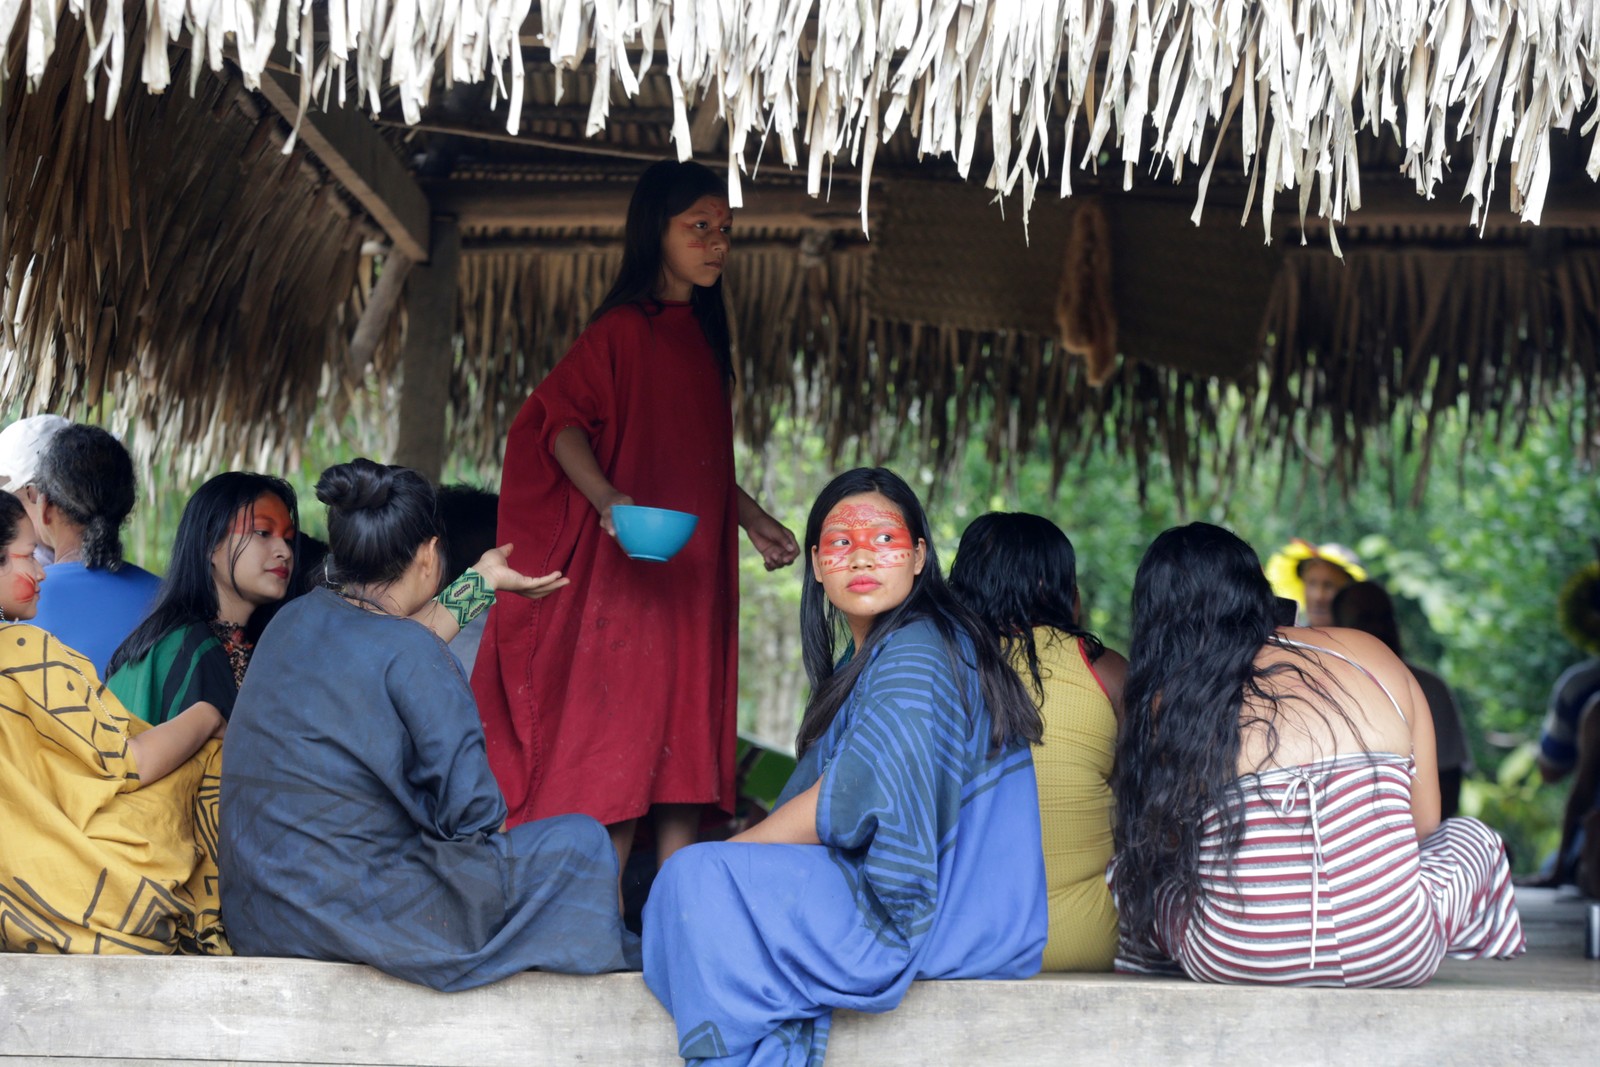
(91, 859)
(1075, 806)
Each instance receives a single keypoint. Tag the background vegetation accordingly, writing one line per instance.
(1475, 560)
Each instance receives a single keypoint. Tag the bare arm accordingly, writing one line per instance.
(1112, 671)
(161, 749)
(1426, 807)
(1581, 797)
(576, 456)
(794, 823)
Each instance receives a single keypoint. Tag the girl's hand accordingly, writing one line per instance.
(605, 505)
(773, 540)
(497, 571)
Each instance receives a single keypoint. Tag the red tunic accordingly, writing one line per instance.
(619, 691)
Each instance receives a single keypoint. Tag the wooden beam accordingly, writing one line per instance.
(703, 127)
(345, 142)
(428, 354)
(583, 147)
(381, 305)
(528, 205)
(495, 246)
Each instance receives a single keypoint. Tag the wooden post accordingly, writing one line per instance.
(429, 352)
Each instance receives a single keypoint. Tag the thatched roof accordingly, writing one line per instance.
(176, 261)
(828, 82)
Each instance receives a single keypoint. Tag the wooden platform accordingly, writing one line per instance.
(1543, 1009)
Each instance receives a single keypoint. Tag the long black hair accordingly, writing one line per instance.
(1012, 715)
(1017, 572)
(188, 593)
(88, 474)
(1367, 606)
(1202, 611)
(666, 189)
(378, 517)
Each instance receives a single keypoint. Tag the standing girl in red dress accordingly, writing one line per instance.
(619, 697)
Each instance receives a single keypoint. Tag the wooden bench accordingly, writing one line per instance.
(110, 1011)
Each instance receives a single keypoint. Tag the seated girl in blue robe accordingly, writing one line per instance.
(906, 845)
(359, 817)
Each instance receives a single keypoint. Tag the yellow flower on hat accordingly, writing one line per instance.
(1283, 568)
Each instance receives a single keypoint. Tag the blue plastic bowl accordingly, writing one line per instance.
(652, 533)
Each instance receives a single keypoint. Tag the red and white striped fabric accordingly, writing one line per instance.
(1331, 887)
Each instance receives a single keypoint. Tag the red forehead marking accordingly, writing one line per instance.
(268, 514)
(856, 516)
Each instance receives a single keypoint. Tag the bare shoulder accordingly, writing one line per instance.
(1110, 664)
(1362, 647)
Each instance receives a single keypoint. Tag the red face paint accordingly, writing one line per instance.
(21, 587)
(267, 515)
(851, 528)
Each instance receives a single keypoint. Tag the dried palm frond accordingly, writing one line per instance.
(1156, 79)
(171, 272)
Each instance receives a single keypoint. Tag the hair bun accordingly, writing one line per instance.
(360, 485)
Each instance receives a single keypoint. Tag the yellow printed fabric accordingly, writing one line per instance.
(90, 860)
(1073, 766)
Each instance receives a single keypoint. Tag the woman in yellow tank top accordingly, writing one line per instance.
(1019, 573)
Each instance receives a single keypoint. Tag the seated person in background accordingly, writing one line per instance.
(1366, 606)
(21, 446)
(233, 555)
(1578, 855)
(1277, 802)
(1311, 575)
(106, 844)
(360, 820)
(1570, 739)
(1579, 609)
(310, 557)
(468, 516)
(86, 486)
(1558, 737)
(1019, 574)
(905, 846)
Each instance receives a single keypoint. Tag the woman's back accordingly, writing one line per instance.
(1337, 692)
(1073, 766)
(361, 821)
(1278, 798)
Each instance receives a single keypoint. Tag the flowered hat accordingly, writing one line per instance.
(1283, 569)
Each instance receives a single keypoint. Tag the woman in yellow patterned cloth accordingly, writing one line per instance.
(110, 824)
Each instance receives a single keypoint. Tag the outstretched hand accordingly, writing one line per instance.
(497, 571)
(773, 540)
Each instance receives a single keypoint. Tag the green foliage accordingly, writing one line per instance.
(1475, 562)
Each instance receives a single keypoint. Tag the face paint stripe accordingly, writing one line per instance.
(864, 527)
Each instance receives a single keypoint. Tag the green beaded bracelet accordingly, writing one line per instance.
(467, 597)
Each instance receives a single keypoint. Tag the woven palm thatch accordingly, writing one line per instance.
(1489, 333)
(1152, 79)
(172, 269)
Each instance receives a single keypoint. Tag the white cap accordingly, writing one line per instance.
(21, 445)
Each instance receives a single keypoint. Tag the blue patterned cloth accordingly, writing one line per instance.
(930, 867)
(360, 821)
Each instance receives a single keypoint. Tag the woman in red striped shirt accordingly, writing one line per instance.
(1278, 796)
